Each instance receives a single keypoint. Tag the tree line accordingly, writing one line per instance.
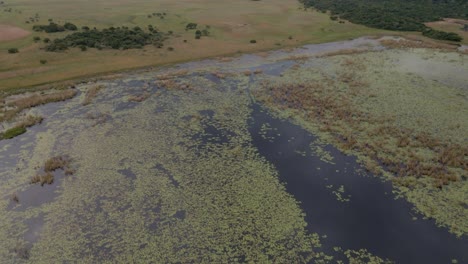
(402, 15)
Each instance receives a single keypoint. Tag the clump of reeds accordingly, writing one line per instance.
(56, 163)
(139, 98)
(20, 127)
(20, 104)
(407, 44)
(50, 166)
(46, 178)
(14, 197)
(384, 145)
(342, 52)
(91, 93)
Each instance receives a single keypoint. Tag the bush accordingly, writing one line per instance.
(46, 40)
(190, 26)
(36, 39)
(253, 41)
(43, 61)
(13, 50)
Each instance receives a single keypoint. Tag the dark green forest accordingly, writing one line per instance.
(403, 15)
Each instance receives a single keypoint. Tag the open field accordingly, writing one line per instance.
(232, 25)
(451, 25)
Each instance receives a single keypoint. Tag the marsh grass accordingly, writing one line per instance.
(14, 197)
(46, 178)
(332, 104)
(91, 93)
(416, 43)
(56, 163)
(16, 106)
(139, 98)
(20, 127)
(50, 166)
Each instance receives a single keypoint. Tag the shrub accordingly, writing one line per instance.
(13, 50)
(253, 41)
(190, 26)
(46, 40)
(43, 61)
(36, 39)
(70, 26)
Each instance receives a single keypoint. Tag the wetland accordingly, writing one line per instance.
(342, 152)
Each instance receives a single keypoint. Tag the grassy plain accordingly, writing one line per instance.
(232, 25)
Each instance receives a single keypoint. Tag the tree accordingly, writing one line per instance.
(253, 41)
(13, 50)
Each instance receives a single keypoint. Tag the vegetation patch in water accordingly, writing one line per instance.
(402, 125)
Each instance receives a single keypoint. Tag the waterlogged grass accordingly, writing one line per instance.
(401, 112)
(152, 186)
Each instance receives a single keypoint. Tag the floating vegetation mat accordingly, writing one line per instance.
(166, 166)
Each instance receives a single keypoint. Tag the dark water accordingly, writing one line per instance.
(372, 219)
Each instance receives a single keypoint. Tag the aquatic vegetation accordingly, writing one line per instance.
(36, 99)
(56, 163)
(91, 93)
(139, 98)
(46, 178)
(340, 194)
(192, 199)
(14, 197)
(20, 127)
(365, 110)
(12, 132)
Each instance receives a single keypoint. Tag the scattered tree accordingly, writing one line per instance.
(13, 50)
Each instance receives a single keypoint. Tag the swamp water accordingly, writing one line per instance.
(194, 173)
